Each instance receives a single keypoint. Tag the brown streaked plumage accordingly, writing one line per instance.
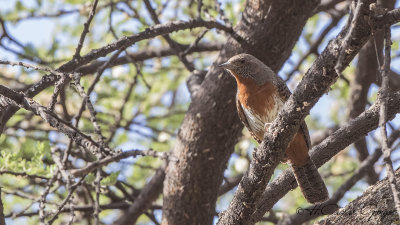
(260, 96)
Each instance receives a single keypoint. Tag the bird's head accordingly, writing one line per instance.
(248, 66)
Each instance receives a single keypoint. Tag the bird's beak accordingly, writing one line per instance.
(225, 65)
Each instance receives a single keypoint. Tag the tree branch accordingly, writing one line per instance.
(375, 206)
(85, 30)
(211, 125)
(47, 80)
(323, 152)
(267, 156)
(383, 97)
(330, 206)
(148, 194)
(53, 120)
(126, 154)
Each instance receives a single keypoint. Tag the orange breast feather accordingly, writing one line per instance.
(260, 104)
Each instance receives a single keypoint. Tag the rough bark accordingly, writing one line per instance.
(375, 206)
(315, 83)
(303, 215)
(324, 151)
(211, 127)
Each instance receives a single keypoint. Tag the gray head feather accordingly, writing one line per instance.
(248, 66)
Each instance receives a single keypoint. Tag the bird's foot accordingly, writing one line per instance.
(266, 126)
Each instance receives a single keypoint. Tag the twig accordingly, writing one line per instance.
(29, 66)
(97, 199)
(384, 94)
(199, 7)
(60, 167)
(53, 120)
(15, 214)
(153, 31)
(86, 101)
(344, 49)
(148, 194)
(85, 30)
(195, 43)
(189, 65)
(314, 46)
(43, 198)
(72, 190)
(124, 42)
(326, 207)
(23, 174)
(20, 194)
(92, 86)
(72, 211)
(130, 153)
(59, 85)
(80, 208)
(122, 108)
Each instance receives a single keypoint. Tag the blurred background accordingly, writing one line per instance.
(141, 101)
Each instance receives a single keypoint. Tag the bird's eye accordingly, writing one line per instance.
(242, 61)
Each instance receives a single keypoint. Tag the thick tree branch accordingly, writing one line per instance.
(330, 206)
(7, 111)
(383, 97)
(211, 126)
(53, 120)
(323, 152)
(153, 31)
(389, 18)
(375, 206)
(267, 156)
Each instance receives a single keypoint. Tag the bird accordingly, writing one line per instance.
(261, 94)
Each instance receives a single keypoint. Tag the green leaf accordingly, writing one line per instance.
(110, 179)
(90, 178)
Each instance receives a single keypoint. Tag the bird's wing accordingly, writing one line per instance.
(303, 127)
(243, 118)
(285, 93)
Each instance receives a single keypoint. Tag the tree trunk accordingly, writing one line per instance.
(267, 30)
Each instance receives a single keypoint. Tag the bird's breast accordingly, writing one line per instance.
(261, 105)
(262, 100)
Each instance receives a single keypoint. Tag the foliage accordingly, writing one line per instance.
(139, 103)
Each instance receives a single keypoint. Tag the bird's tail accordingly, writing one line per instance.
(310, 182)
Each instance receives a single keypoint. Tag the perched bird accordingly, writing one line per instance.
(260, 96)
